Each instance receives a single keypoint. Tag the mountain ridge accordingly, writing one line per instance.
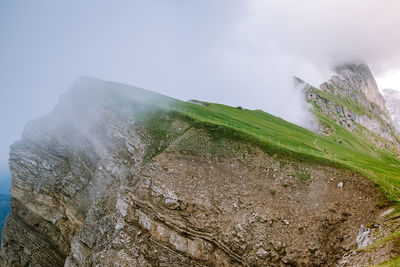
(103, 179)
(352, 99)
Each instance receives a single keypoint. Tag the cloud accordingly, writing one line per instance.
(329, 32)
(230, 51)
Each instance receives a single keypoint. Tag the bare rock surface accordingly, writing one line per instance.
(358, 76)
(105, 180)
(363, 239)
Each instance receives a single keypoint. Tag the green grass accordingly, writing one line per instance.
(303, 176)
(341, 148)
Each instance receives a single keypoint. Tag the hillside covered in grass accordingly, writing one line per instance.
(341, 147)
(346, 146)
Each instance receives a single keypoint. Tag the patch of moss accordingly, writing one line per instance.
(303, 175)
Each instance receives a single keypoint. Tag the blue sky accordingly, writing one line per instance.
(228, 51)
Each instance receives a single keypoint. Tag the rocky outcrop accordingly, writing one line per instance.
(352, 99)
(108, 179)
(392, 98)
(358, 76)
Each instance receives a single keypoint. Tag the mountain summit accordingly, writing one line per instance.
(358, 76)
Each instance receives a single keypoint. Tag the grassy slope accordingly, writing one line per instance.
(353, 152)
(342, 147)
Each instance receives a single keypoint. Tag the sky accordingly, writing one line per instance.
(236, 52)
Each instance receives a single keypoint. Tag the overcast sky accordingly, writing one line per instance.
(227, 51)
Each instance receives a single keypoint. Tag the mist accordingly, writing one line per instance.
(229, 51)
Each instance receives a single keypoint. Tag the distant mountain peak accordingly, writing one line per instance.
(352, 99)
(359, 76)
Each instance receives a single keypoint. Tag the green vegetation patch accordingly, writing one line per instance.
(303, 175)
(390, 263)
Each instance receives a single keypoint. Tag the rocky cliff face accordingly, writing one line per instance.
(352, 99)
(358, 76)
(392, 98)
(110, 180)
